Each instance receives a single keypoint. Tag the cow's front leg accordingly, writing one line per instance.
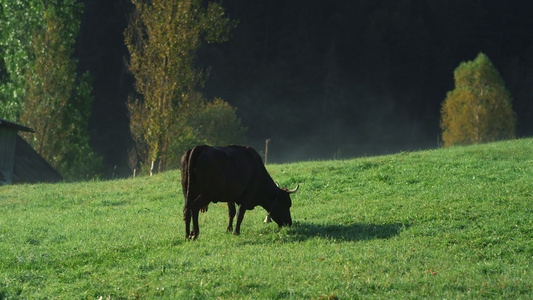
(231, 215)
(240, 216)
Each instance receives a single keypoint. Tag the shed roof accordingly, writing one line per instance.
(19, 162)
(30, 167)
(14, 126)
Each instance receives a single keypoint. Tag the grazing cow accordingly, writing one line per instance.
(233, 174)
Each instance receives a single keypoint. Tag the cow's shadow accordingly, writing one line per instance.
(349, 232)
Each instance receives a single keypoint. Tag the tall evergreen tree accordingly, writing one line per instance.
(479, 109)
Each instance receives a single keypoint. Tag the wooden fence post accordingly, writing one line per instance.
(266, 150)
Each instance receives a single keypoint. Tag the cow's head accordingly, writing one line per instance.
(280, 211)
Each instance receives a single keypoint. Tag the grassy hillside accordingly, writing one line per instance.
(450, 223)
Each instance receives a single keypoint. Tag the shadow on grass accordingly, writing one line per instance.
(350, 232)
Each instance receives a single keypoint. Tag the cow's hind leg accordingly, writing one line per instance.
(191, 211)
(196, 229)
(187, 214)
(231, 215)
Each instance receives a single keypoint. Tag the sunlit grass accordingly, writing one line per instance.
(447, 223)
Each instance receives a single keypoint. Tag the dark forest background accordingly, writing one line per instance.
(325, 79)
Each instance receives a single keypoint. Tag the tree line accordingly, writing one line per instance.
(41, 88)
(168, 113)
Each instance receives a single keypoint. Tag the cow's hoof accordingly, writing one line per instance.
(191, 237)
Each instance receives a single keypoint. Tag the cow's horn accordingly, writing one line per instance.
(277, 184)
(295, 190)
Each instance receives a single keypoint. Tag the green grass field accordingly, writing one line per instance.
(447, 223)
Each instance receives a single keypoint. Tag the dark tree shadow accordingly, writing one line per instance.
(350, 232)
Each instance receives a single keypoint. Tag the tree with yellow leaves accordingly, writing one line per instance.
(479, 109)
(162, 38)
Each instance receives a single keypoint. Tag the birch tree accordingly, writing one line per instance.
(479, 109)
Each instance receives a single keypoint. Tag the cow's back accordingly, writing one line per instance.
(225, 173)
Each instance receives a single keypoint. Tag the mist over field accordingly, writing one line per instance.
(347, 142)
(373, 125)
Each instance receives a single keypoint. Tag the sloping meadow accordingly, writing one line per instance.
(447, 223)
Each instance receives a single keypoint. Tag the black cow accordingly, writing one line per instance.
(233, 174)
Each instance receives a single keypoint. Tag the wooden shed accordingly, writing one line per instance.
(19, 162)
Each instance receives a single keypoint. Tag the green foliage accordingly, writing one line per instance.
(77, 159)
(20, 21)
(210, 123)
(18, 18)
(479, 109)
(43, 91)
(449, 223)
(217, 124)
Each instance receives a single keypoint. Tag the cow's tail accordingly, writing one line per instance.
(195, 152)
